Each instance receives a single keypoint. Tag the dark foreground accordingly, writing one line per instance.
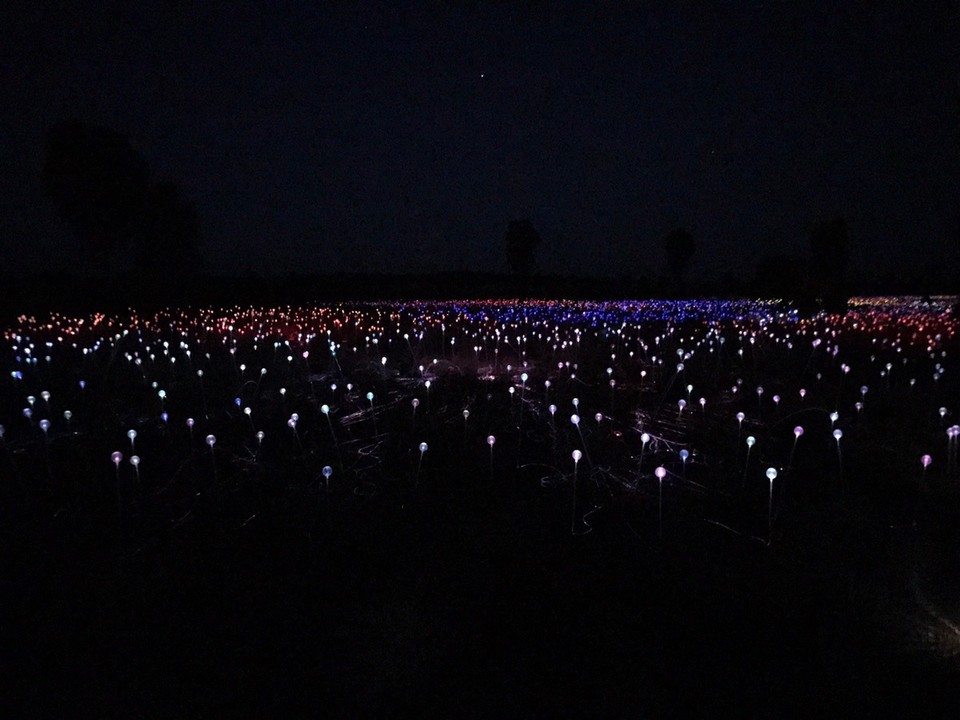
(235, 583)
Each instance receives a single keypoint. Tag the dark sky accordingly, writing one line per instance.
(405, 135)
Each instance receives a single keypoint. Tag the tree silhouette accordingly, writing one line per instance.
(828, 255)
(98, 184)
(521, 244)
(167, 241)
(678, 246)
(101, 187)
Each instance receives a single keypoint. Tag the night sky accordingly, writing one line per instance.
(404, 136)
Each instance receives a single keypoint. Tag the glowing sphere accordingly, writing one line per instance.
(771, 474)
(190, 423)
(576, 454)
(645, 438)
(553, 409)
(211, 440)
(135, 460)
(684, 454)
(575, 419)
(327, 471)
(926, 460)
(116, 457)
(370, 396)
(423, 447)
(132, 434)
(415, 402)
(260, 436)
(660, 472)
(751, 440)
(491, 440)
(837, 434)
(325, 409)
(598, 417)
(44, 424)
(798, 431)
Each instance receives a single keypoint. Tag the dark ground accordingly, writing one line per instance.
(249, 590)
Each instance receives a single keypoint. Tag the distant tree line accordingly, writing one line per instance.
(142, 236)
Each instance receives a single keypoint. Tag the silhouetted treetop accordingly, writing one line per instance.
(521, 244)
(678, 247)
(101, 187)
(97, 183)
